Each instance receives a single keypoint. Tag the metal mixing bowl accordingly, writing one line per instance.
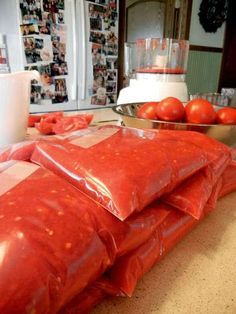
(222, 133)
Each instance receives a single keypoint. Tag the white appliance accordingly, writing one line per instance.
(72, 43)
(156, 68)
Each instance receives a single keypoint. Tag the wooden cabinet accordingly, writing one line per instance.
(228, 67)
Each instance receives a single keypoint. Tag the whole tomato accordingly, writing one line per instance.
(200, 111)
(170, 109)
(226, 115)
(147, 111)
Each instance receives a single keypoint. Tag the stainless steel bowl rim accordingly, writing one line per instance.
(115, 109)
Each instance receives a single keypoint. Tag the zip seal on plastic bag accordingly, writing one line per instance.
(89, 140)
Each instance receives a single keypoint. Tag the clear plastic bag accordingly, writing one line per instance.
(50, 249)
(123, 169)
(128, 269)
(191, 195)
(91, 296)
(18, 151)
(229, 179)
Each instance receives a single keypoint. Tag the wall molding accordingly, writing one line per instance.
(205, 48)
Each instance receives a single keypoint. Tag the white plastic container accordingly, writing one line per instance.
(14, 105)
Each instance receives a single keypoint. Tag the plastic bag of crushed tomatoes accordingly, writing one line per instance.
(50, 250)
(124, 169)
(211, 203)
(91, 296)
(122, 237)
(233, 152)
(212, 148)
(128, 269)
(225, 185)
(229, 179)
(18, 151)
(191, 195)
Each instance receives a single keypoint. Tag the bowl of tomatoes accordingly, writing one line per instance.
(170, 113)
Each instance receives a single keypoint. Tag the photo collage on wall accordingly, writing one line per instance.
(44, 42)
(103, 36)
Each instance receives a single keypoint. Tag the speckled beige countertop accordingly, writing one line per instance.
(198, 276)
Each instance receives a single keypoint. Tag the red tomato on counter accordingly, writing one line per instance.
(44, 127)
(148, 111)
(33, 119)
(70, 123)
(226, 116)
(170, 109)
(200, 111)
(53, 117)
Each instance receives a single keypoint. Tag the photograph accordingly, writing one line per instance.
(114, 18)
(60, 4)
(60, 17)
(50, 6)
(45, 74)
(112, 4)
(96, 48)
(107, 21)
(29, 29)
(99, 81)
(111, 87)
(59, 53)
(31, 11)
(101, 96)
(111, 49)
(53, 5)
(48, 92)
(59, 30)
(35, 94)
(39, 43)
(111, 98)
(60, 91)
(99, 75)
(49, 18)
(97, 37)
(111, 76)
(48, 86)
(111, 63)
(96, 11)
(111, 38)
(100, 99)
(96, 24)
(32, 55)
(29, 43)
(46, 54)
(98, 56)
(44, 28)
(59, 69)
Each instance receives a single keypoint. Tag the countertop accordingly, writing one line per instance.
(197, 276)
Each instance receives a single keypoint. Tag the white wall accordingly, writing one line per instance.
(9, 26)
(198, 36)
(146, 20)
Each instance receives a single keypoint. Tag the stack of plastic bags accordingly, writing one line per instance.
(92, 211)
